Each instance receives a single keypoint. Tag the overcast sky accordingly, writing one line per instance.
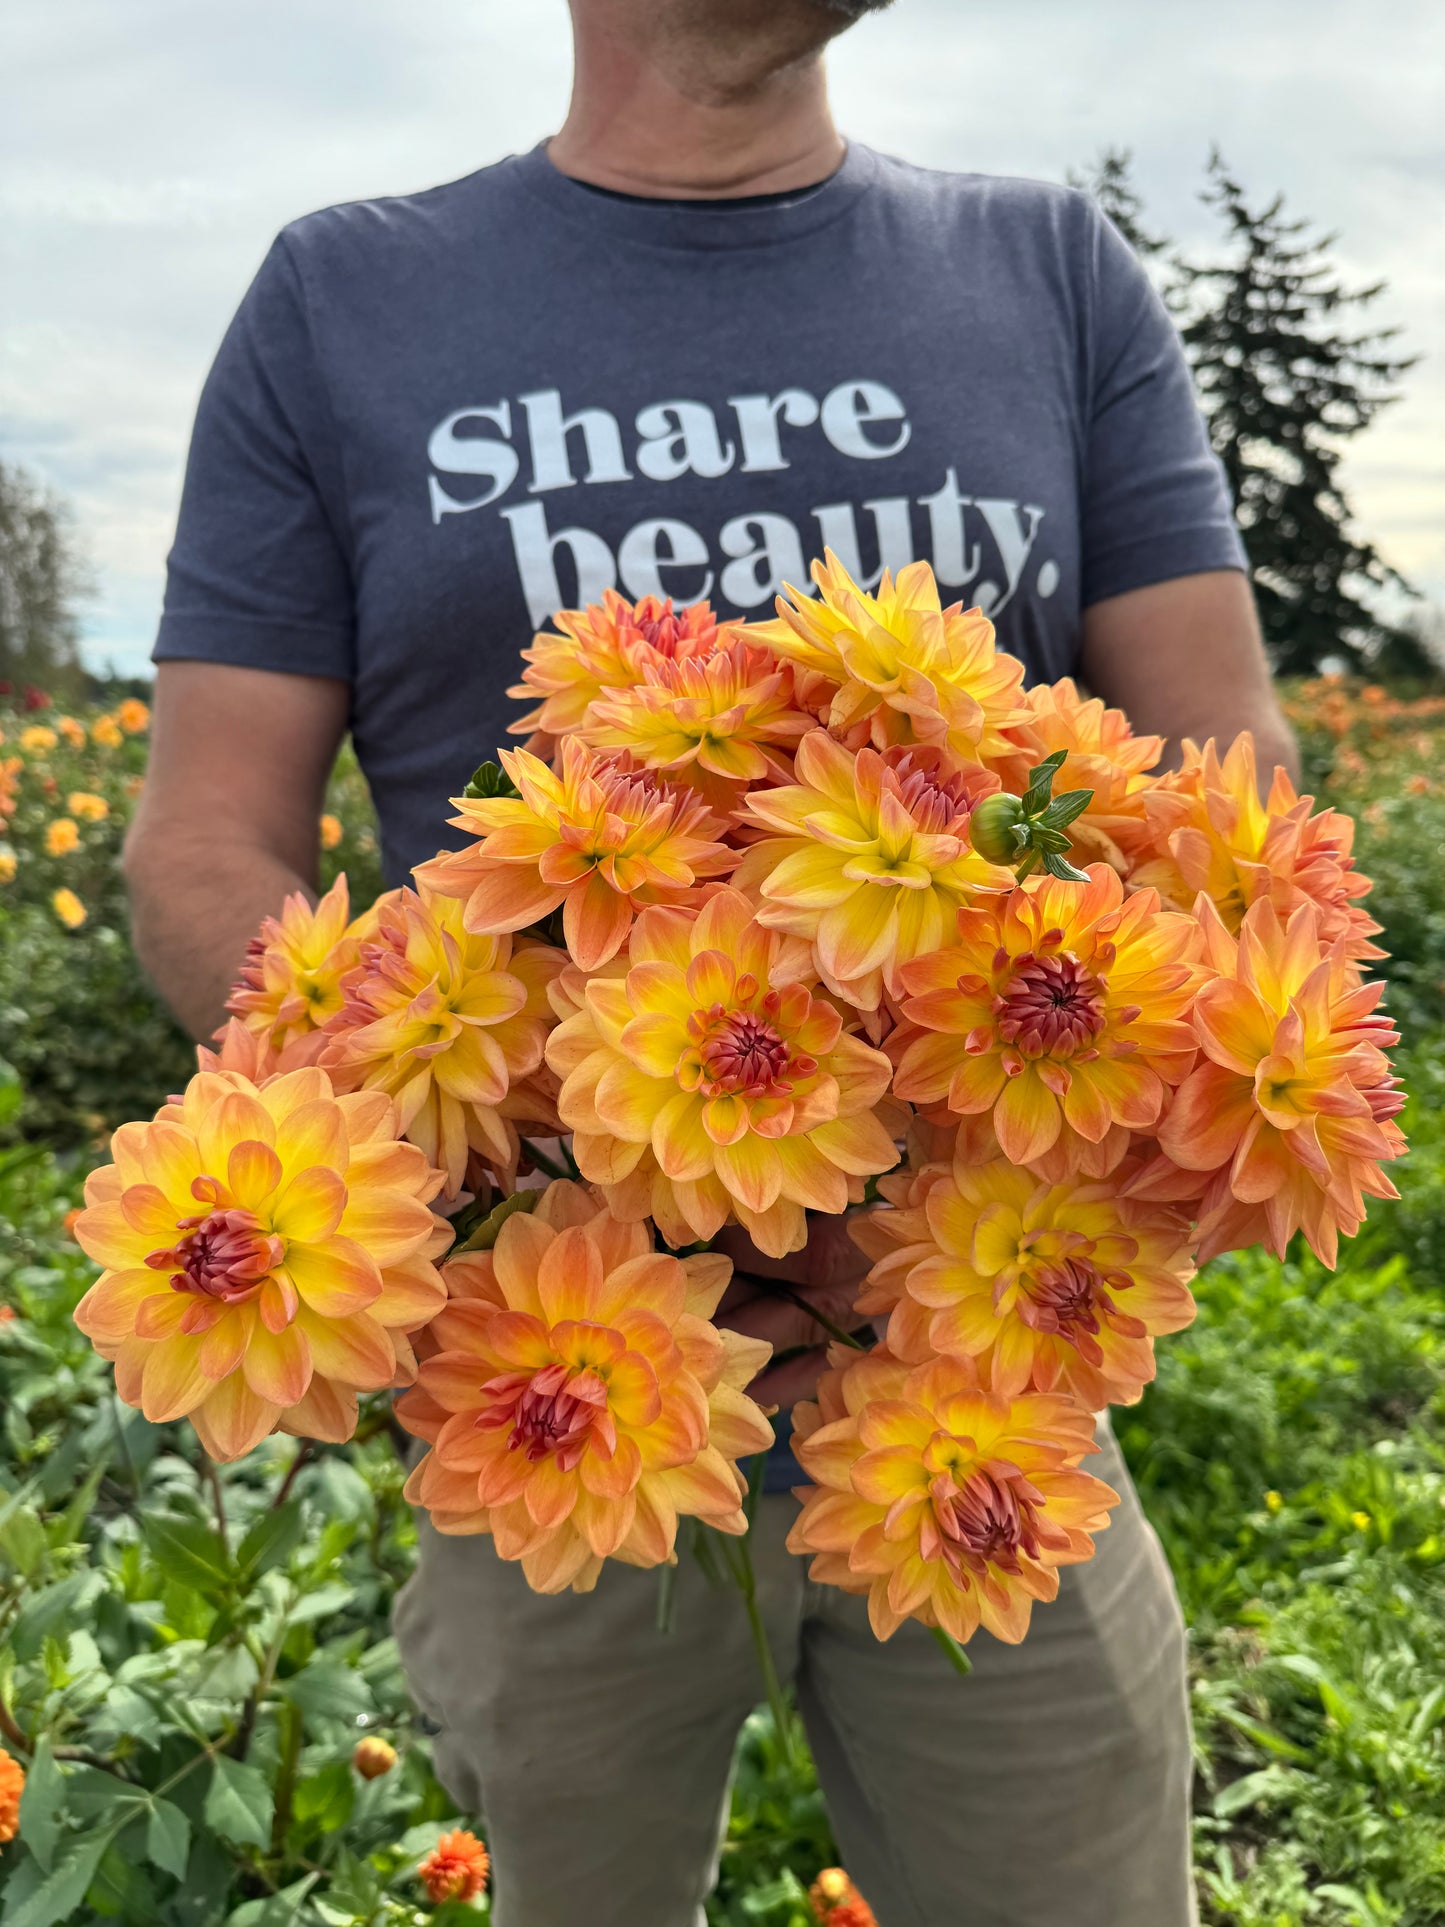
(149, 149)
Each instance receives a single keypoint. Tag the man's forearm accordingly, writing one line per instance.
(195, 905)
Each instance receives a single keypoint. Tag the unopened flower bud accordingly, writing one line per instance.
(373, 1757)
(991, 827)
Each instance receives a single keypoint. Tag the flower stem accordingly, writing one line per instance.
(667, 1598)
(957, 1658)
(543, 1162)
(777, 1290)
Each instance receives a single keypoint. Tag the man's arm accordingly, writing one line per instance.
(227, 823)
(1185, 658)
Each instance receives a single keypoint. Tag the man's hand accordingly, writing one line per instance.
(827, 1272)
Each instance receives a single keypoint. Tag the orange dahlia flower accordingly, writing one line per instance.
(710, 1080)
(12, 1785)
(267, 1248)
(1218, 839)
(1295, 1095)
(716, 723)
(1062, 1010)
(1049, 1287)
(1102, 754)
(905, 669)
(607, 646)
(838, 1903)
(456, 1868)
(290, 983)
(62, 836)
(940, 1501)
(444, 1022)
(872, 861)
(581, 1399)
(600, 840)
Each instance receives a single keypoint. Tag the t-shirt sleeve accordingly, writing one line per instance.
(259, 575)
(1156, 503)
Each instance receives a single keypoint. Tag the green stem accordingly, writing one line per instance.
(772, 1685)
(667, 1598)
(289, 1720)
(544, 1163)
(957, 1658)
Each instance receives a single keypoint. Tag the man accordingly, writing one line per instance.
(681, 348)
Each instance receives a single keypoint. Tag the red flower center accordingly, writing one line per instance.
(939, 805)
(1050, 1007)
(987, 1521)
(743, 1054)
(224, 1254)
(554, 1413)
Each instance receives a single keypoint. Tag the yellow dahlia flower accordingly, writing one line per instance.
(1048, 1287)
(600, 840)
(1062, 1010)
(717, 723)
(581, 1400)
(872, 860)
(266, 1249)
(1295, 1094)
(445, 1022)
(714, 1058)
(62, 836)
(905, 669)
(1215, 837)
(290, 983)
(942, 1502)
(606, 646)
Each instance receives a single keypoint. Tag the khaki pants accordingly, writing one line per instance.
(1049, 1789)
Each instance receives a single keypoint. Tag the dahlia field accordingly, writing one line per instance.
(202, 1718)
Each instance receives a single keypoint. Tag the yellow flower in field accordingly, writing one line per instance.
(290, 982)
(72, 731)
(62, 836)
(905, 669)
(267, 1249)
(582, 1400)
(7, 866)
(872, 861)
(38, 738)
(331, 832)
(445, 1021)
(106, 731)
(69, 908)
(133, 716)
(942, 1502)
(709, 1080)
(86, 804)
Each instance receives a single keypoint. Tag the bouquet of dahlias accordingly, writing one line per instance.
(826, 914)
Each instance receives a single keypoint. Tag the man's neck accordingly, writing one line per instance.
(659, 121)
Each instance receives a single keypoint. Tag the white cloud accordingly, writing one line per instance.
(150, 151)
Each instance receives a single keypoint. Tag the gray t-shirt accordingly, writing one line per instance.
(436, 419)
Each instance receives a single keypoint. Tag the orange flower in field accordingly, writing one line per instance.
(290, 983)
(838, 1903)
(599, 840)
(373, 1757)
(1048, 1287)
(331, 832)
(69, 908)
(87, 805)
(72, 731)
(905, 669)
(1103, 755)
(62, 836)
(1062, 1010)
(133, 716)
(12, 1785)
(709, 1080)
(607, 646)
(942, 1502)
(1295, 1094)
(872, 861)
(106, 731)
(37, 738)
(444, 1022)
(266, 1250)
(717, 723)
(456, 1868)
(582, 1399)
(1238, 851)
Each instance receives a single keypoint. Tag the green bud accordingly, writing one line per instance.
(997, 828)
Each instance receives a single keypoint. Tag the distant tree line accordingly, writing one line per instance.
(1285, 382)
(43, 578)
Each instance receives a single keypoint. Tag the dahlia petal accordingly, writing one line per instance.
(107, 1312)
(334, 1278)
(277, 1365)
(628, 1101)
(310, 1207)
(172, 1382)
(1026, 1118)
(233, 1419)
(752, 1170)
(312, 1134)
(326, 1412)
(355, 1351)
(569, 1279)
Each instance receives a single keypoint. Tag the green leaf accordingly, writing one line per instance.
(324, 1800)
(56, 1897)
(485, 1235)
(488, 779)
(239, 1804)
(168, 1838)
(190, 1553)
(22, 1540)
(275, 1910)
(41, 1804)
(271, 1540)
(54, 1607)
(1066, 807)
(328, 1689)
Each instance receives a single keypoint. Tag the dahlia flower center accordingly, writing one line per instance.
(1069, 1298)
(1051, 1006)
(743, 1053)
(663, 631)
(986, 1520)
(938, 806)
(224, 1254)
(554, 1413)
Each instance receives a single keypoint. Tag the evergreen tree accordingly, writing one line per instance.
(1110, 179)
(42, 576)
(1284, 382)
